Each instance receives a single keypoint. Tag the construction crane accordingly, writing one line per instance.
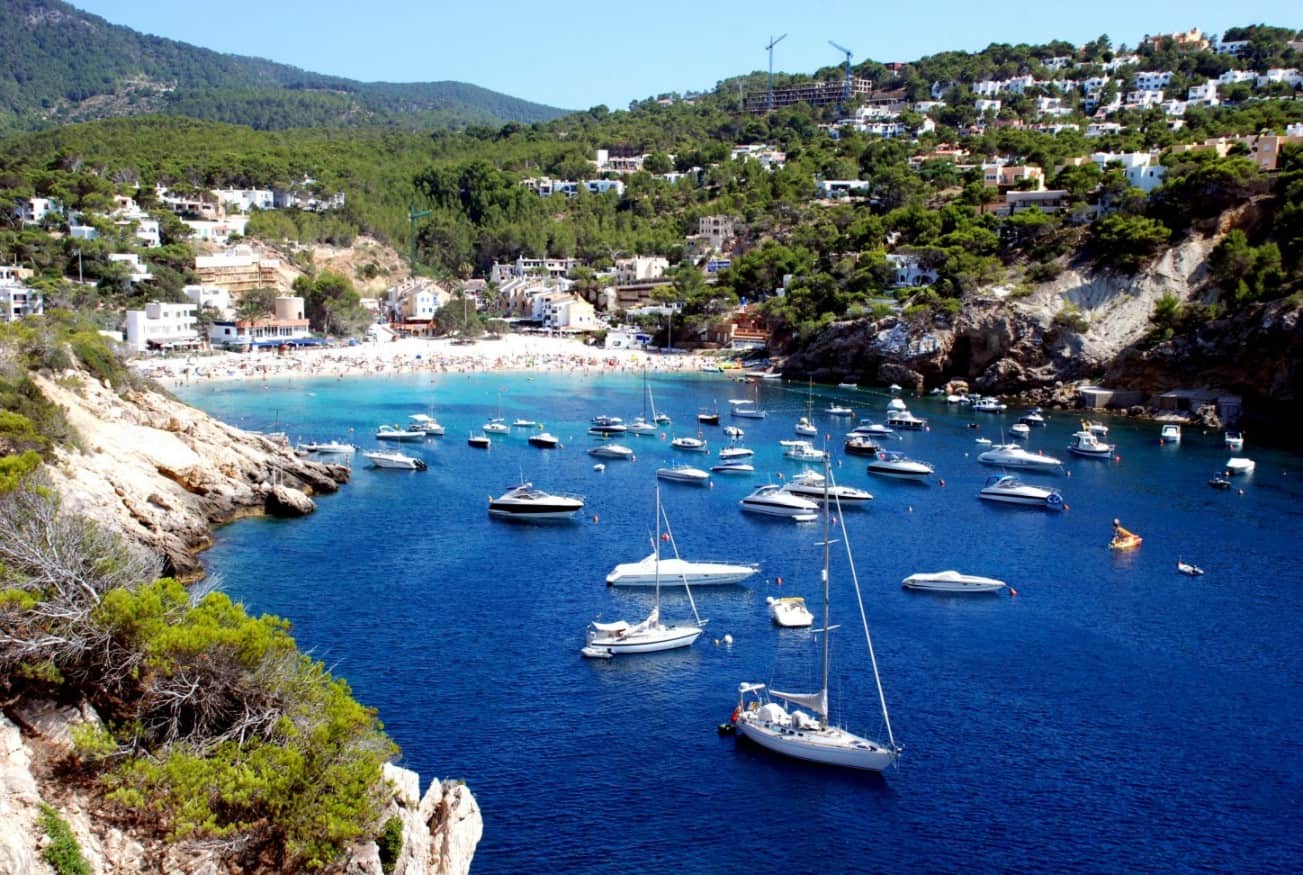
(772, 42)
(846, 87)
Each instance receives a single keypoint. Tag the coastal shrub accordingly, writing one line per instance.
(390, 844)
(63, 853)
(46, 425)
(1071, 318)
(1126, 242)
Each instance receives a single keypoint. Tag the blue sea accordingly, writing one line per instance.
(1112, 716)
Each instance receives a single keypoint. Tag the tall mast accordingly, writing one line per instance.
(827, 628)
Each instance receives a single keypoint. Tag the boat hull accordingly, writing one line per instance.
(653, 641)
(943, 582)
(900, 473)
(674, 571)
(831, 746)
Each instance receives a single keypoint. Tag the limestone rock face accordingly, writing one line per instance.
(440, 830)
(19, 805)
(164, 473)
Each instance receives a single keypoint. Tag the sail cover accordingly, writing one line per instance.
(816, 702)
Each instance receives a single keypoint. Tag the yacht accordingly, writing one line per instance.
(708, 417)
(676, 572)
(1098, 429)
(397, 461)
(1033, 418)
(497, 425)
(426, 423)
(728, 453)
(1240, 465)
(804, 451)
(897, 465)
(812, 485)
(838, 410)
(860, 445)
(733, 467)
(544, 440)
(523, 423)
(329, 448)
(524, 502)
(895, 404)
(1020, 430)
(952, 581)
(1086, 444)
(789, 612)
(989, 405)
(772, 500)
(395, 433)
(683, 474)
(607, 425)
(873, 428)
(690, 445)
(905, 420)
(1014, 456)
(479, 441)
(1009, 489)
(642, 427)
(1170, 434)
(612, 451)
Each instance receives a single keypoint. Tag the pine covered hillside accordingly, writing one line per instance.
(61, 64)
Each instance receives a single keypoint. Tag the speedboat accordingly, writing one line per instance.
(397, 461)
(894, 389)
(895, 404)
(812, 485)
(1020, 430)
(544, 440)
(789, 612)
(426, 423)
(898, 466)
(733, 468)
(838, 410)
(951, 581)
(1033, 417)
(479, 441)
(903, 419)
(674, 571)
(990, 405)
(690, 445)
(607, 425)
(1239, 465)
(735, 453)
(1234, 441)
(1188, 568)
(859, 445)
(1170, 434)
(733, 431)
(708, 417)
(873, 428)
(523, 423)
(395, 433)
(1014, 456)
(329, 448)
(1086, 444)
(804, 451)
(848, 385)
(773, 500)
(683, 474)
(805, 427)
(524, 502)
(612, 451)
(1008, 489)
(495, 426)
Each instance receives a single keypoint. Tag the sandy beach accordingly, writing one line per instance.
(513, 352)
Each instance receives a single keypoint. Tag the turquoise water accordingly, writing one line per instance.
(1114, 715)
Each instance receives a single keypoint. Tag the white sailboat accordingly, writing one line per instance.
(810, 736)
(605, 640)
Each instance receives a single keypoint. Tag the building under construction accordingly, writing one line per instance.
(813, 93)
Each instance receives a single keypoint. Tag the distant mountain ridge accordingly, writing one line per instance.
(59, 64)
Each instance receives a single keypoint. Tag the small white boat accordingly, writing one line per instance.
(524, 502)
(395, 433)
(1240, 465)
(873, 428)
(479, 441)
(804, 451)
(426, 423)
(860, 445)
(848, 385)
(1170, 434)
(989, 405)
(733, 431)
(683, 474)
(838, 410)
(328, 448)
(1008, 489)
(897, 465)
(1234, 441)
(805, 427)
(733, 468)
(612, 451)
(746, 409)
(599, 467)
(1086, 444)
(397, 461)
(813, 485)
(896, 404)
(735, 453)
(1098, 429)
(1014, 456)
(690, 445)
(984, 442)
(607, 425)
(1020, 430)
(772, 500)
(676, 571)
(523, 423)
(952, 581)
(1188, 568)
(495, 426)
(642, 427)
(905, 420)
(1033, 417)
(544, 440)
(894, 389)
(789, 612)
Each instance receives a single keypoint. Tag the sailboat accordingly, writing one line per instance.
(605, 640)
(496, 425)
(805, 425)
(809, 736)
(641, 425)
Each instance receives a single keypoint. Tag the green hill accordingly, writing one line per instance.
(59, 64)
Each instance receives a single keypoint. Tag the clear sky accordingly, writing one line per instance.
(576, 54)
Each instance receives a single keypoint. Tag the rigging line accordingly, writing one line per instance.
(859, 597)
(675, 546)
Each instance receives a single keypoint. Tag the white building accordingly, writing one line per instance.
(565, 311)
(1234, 48)
(1095, 83)
(1142, 169)
(287, 327)
(987, 88)
(1173, 108)
(627, 338)
(162, 326)
(1290, 77)
(1143, 99)
(984, 106)
(1053, 107)
(1057, 63)
(1122, 61)
(1103, 129)
(829, 188)
(219, 231)
(1150, 80)
(245, 199)
(139, 270)
(17, 301)
(33, 210)
(1203, 95)
(910, 272)
(1234, 77)
(640, 268)
(216, 297)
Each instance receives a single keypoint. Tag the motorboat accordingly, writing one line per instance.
(952, 581)
(544, 440)
(894, 389)
(641, 427)
(982, 441)
(1086, 444)
(838, 410)
(772, 500)
(607, 425)
(873, 428)
(524, 502)
(1020, 430)
(397, 433)
(733, 468)
(708, 417)
(1098, 429)
(848, 385)
(1219, 482)
(1234, 441)
(797, 724)
(602, 419)
(814, 486)
(1170, 434)
(690, 445)
(860, 445)
(1014, 456)
(426, 423)
(683, 474)
(905, 420)
(988, 404)
(496, 425)
(398, 461)
(804, 451)
(479, 441)
(789, 612)
(612, 451)
(897, 465)
(328, 448)
(677, 571)
(662, 419)
(1240, 465)
(1188, 568)
(735, 453)
(1008, 489)
(1033, 418)
(805, 427)
(733, 431)
(523, 423)
(896, 405)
